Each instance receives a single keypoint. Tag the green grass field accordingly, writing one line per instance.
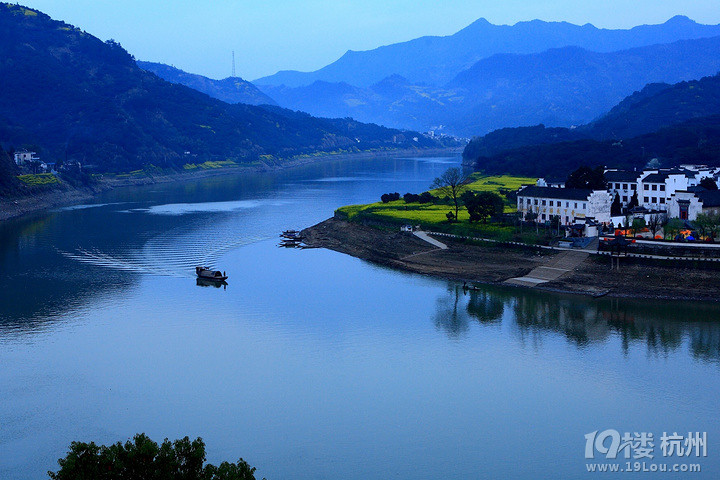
(39, 179)
(434, 216)
(430, 214)
(209, 165)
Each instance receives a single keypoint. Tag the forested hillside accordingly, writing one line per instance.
(77, 97)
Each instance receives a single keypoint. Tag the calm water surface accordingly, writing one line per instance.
(315, 365)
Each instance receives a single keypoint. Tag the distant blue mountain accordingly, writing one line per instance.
(559, 87)
(437, 60)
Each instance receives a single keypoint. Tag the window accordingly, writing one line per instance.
(528, 201)
(551, 203)
(536, 202)
(625, 198)
(654, 200)
(662, 200)
(633, 186)
(662, 188)
(543, 216)
(584, 206)
(544, 202)
(575, 204)
(647, 187)
(617, 186)
(646, 199)
(567, 204)
(654, 188)
(624, 186)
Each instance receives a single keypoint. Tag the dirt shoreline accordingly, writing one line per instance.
(20, 206)
(493, 264)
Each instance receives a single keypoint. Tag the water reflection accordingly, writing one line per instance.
(658, 328)
(203, 282)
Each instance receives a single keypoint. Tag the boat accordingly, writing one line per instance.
(208, 274)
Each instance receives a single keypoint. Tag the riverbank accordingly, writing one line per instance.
(66, 195)
(489, 263)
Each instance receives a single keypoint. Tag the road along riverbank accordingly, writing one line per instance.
(497, 263)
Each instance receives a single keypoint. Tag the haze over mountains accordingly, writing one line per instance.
(229, 90)
(70, 95)
(488, 76)
(437, 60)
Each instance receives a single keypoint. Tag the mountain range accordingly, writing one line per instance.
(677, 123)
(67, 94)
(560, 87)
(437, 60)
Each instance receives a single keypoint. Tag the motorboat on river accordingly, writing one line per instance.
(207, 274)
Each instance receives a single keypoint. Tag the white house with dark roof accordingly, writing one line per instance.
(687, 205)
(655, 188)
(572, 205)
(622, 183)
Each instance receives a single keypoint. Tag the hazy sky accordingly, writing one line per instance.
(270, 35)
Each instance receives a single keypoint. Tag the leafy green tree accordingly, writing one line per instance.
(673, 227)
(483, 205)
(637, 225)
(451, 184)
(704, 223)
(143, 459)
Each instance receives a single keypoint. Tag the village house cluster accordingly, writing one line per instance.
(31, 162)
(674, 193)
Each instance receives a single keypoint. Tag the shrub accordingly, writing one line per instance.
(389, 197)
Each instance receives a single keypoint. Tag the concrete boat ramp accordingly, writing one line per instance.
(560, 265)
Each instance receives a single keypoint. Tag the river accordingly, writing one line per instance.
(315, 365)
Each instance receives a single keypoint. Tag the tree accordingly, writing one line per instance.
(633, 201)
(673, 227)
(616, 207)
(451, 184)
(586, 177)
(143, 458)
(637, 225)
(704, 223)
(389, 197)
(656, 222)
(708, 183)
(482, 205)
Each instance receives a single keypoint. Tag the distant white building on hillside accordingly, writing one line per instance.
(23, 156)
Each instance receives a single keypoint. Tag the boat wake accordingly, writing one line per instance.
(171, 255)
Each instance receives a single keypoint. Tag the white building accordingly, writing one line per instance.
(656, 188)
(622, 183)
(572, 205)
(686, 205)
(23, 156)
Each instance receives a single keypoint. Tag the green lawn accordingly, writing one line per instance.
(434, 216)
(431, 214)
